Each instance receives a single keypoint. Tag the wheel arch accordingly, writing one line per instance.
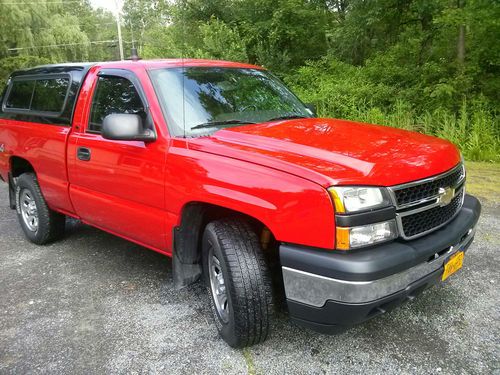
(186, 257)
(17, 166)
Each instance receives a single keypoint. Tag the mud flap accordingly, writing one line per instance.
(186, 260)
(12, 192)
(184, 274)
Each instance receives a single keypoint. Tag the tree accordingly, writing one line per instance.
(140, 16)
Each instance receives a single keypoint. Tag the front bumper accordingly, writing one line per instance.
(328, 291)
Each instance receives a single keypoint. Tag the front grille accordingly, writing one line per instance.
(424, 221)
(429, 189)
(418, 204)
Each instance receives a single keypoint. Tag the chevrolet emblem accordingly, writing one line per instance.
(446, 195)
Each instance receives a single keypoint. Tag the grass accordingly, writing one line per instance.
(483, 181)
(249, 361)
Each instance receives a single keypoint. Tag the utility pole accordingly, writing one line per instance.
(119, 27)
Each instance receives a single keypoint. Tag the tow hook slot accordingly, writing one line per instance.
(466, 235)
(437, 255)
(462, 241)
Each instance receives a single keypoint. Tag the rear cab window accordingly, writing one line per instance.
(42, 95)
(50, 95)
(20, 95)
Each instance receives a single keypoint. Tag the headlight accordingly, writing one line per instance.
(353, 199)
(363, 201)
(365, 235)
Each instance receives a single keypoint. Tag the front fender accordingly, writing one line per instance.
(294, 209)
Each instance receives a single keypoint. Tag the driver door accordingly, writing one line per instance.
(118, 185)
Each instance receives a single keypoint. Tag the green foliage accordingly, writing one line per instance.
(339, 89)
(221, 42)
(385, 61)
(281, 34)
(55, 30)
(210, 40)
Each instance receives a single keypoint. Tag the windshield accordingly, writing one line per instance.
(216, 98)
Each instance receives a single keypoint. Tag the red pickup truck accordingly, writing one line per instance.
(219, 166)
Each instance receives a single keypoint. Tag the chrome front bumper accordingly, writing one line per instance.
(316, 290)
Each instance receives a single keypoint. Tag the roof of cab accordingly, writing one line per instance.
(146, 64)
(173, 63)
(53, 69)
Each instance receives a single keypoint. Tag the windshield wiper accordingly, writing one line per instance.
(226, 122)
(287, 117)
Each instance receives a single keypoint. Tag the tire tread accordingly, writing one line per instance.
(251, 291)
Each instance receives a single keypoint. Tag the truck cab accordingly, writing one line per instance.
(222, 168)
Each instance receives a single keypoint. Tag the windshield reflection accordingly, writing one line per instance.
(201, 100)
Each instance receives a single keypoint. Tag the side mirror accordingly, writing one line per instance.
(312, 108)
(126, 127)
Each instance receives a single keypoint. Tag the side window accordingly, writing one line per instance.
(114, 95)
(50, 95)
(20, 95)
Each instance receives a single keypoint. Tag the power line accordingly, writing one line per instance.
(51, 28)
(63, 45)
(37, 2)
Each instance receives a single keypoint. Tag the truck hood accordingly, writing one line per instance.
(335, 152)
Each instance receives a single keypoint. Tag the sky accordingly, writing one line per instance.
(106, 4)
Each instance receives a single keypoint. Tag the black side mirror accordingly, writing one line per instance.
(126, 127)
(312, 108)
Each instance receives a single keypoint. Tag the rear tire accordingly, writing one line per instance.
(40, 224)
(237, 280)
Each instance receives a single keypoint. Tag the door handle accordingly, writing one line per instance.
(83, 153)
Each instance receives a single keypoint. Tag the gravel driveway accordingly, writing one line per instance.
(93, 303)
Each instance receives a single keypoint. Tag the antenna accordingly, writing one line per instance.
(183, 50)
(134, 56)
(132, 34)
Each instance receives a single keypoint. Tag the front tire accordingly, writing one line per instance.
(40, 224)
(238, 282)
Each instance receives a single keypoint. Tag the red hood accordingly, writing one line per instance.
(335, 152)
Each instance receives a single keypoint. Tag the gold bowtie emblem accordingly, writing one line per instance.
(446, 195)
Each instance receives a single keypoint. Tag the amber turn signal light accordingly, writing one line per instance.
(342, 238)
(339, 205)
